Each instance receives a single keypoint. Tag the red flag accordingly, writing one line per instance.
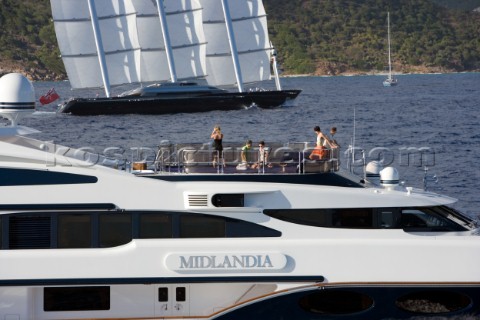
(49, 97)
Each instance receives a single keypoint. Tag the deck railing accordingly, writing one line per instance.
(201, 158)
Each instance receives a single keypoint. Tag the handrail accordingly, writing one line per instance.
(280, 158)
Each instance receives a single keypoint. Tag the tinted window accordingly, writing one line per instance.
(239, 229)
(410, 219)
(427, 219)
(433, 301)
(155, 225)
(336, 302)
(22, 177)
(331, 218)
(74, 231)
(115, 229)
(76, 298)
(352, 218)
(228, 200)
(200, 226)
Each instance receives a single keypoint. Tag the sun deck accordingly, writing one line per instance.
(281, 158)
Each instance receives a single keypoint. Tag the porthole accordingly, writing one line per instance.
(433, 302)
(333, 302)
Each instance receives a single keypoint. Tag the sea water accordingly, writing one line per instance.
(437, 115)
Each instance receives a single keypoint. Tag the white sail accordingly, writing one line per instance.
(251, 35)
(184, 20)
(76, 40)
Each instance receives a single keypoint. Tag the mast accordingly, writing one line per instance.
(99, 45)
(275, 69)
(233, 46)
(389, 55)
(166, 39)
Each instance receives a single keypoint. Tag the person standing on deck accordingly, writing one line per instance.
(217, 137)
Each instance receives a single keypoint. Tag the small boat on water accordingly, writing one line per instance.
(294, 239)
(163, 45)
(391, 80)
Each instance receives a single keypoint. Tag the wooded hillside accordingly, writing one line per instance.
(345, 35)
(311, 36)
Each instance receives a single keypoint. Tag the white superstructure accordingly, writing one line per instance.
(83, 241)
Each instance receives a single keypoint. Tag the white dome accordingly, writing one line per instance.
(14, 87)
(389, 176)
(373, 169)
(17, 97)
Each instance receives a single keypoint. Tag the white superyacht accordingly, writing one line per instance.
(85, 241)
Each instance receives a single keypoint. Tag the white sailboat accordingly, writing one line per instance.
(237, 42)
(112, 42)
(391, 80)
(123, 40)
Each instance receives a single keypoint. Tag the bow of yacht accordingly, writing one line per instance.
(80, 240)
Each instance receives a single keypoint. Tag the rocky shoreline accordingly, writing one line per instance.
(322, 69)
(32, 73)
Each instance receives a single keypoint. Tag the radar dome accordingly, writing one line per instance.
(17, 97)
(389, 177)
(372, 170)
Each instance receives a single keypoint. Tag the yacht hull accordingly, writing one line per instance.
(226, 299)
(186, 104)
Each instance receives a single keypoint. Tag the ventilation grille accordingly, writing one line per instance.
(198, 200)
(29, 232)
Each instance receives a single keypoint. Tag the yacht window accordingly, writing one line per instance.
(93, 229)
(76, 298)
(201, 226)
(352, 218)
(228, 200)
(433, 301)
(388, 218)
(329, 218)
(163, 294)
(114, 229)
(427, 219)
(335, 302)
(29, 232)
(25, 177)
(180, 294)
(239, 229)
(74, 231)
(155, 225)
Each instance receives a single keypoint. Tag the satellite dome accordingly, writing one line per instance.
(17, 97)
(389, 177)
(372, 172)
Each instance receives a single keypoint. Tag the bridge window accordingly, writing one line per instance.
(330, 218)
(427, 219)
(430, 219)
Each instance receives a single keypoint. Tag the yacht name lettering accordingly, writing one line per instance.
(226, 262)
